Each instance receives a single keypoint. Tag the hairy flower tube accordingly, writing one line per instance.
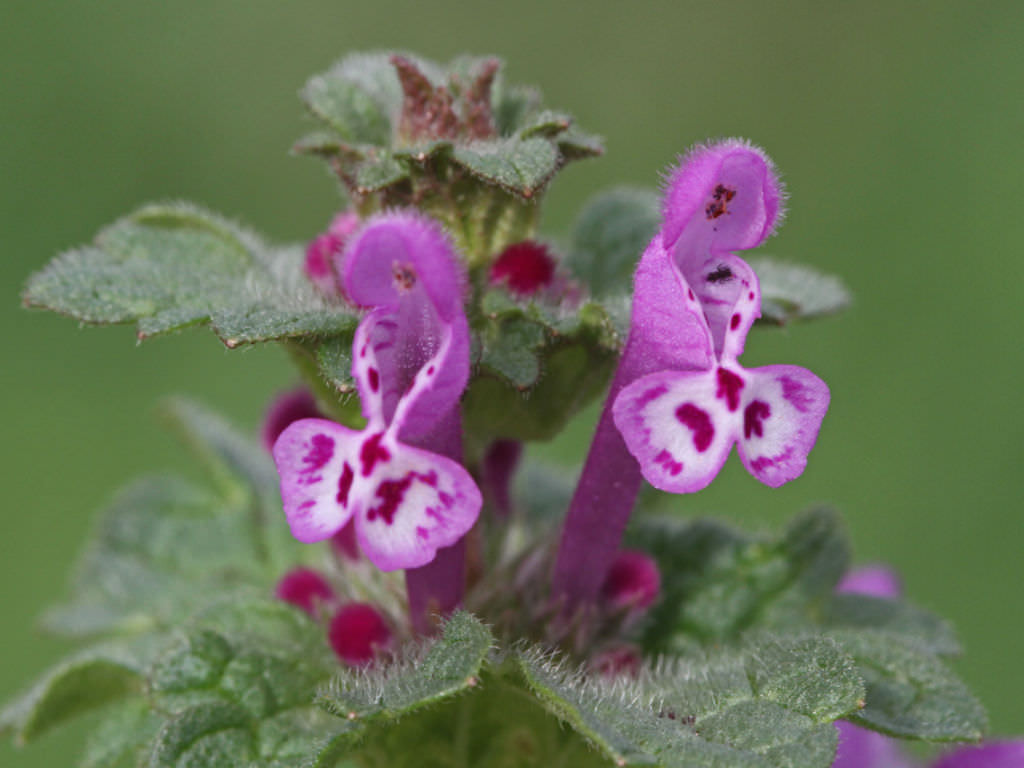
(410, 362)
(693, 302)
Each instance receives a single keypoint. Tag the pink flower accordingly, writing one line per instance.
(358, 634)
(681, 423)
(306, 589)
(411, 364)
(633, 581)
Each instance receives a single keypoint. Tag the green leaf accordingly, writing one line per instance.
(794, 292)
(609, 235)
(511, 350)
(212, 733)
(237, 462)
(162, 548)
(124, 737)
(357, 98)
(168, 267)
(910, 692)
(520, 166)
(930, 632)
(761, 707)
(88, 680)
(447, 666)
(718, 584)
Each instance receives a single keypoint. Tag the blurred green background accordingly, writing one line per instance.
(897, 127)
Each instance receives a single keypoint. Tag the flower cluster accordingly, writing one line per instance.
(678, 402)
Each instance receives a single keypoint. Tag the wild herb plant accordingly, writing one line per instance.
(380, 578)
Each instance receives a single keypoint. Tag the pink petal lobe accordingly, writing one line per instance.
(315, 460)
(783, 406)
(412, 505)
(677, 428)
(722, 197)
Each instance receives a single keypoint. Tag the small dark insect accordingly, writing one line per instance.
(721, 274)
(723, 191)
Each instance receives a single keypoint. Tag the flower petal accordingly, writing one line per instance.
(316, 462)
(677, 428)
(783, 406)
(404, 265)
(729, 295)
(412, 503)
(722, 197)
(995, 754)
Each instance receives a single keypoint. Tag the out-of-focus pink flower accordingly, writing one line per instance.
(633, 581)
(306, 589)
(358, 634)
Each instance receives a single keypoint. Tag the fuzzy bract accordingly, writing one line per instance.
(411, 363)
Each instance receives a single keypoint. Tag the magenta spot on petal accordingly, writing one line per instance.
(689, 292)
(671, 466)
(422, 532)
(796, 394)
(763, 462)
(735, 322)
(445, 498)
(390, 493)
(699, 423)
(751, 296)
(362, 352)
(430, 371)
(304, 588)
(358, 633)
(374, 378)
(729, 386)
(320, 452)
(345, 484)
(651, 394)
(372, 452)
(753, 418)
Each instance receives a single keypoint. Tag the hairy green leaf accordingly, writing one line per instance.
(521, 166)
(170, 266)
(910, 692)
(422, 676)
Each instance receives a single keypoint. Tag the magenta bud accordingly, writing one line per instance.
(525, 267)
(323, 253)
(304, 588)
(358, 634)
(872, 580)
(633, 581)
(622, 660)
(284, 409)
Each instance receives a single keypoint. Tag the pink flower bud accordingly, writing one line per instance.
(525, 267)
(633, 581)
(358, 633)
(324, 252)
(305, 589)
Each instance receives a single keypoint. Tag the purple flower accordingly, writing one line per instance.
(872, 580)
(995, 754)
(411, 363)
(304, 588)
(358, 634)
(693, 302)
(861, 748)
(681, 423)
